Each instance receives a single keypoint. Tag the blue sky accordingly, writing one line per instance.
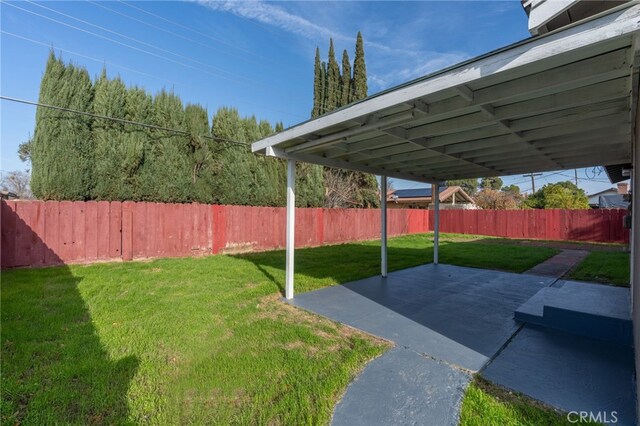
(256, 56)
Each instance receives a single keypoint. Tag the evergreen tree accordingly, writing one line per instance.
(137, 140)
(232, 174)
(345, 84)
(333, 80)
(130, 162)
(166, 176)
(342, 188)
(200, 152)
(62, 152)
(323, 94)
(112, 168)
(317, 85)
(360, 88)
(279, 127)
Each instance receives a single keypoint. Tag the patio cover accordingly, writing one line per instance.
(563, 100)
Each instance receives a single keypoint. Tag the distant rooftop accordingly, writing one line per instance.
(415, 193)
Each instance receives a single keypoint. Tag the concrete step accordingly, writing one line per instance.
(592, 310)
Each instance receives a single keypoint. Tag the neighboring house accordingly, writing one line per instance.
(451, 197)
(612, 198)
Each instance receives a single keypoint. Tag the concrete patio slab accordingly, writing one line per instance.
(402, 387)
(570, 372)
(462, 316)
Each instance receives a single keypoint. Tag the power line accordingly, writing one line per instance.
(140, 50)
(195, 31)
(248, 80)
(88, 57)
(140, 41)
(120, 120)
(335, 92)
(118, 42)
(208, 46)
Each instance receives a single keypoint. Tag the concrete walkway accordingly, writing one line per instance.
(403, 387)
(560, 264)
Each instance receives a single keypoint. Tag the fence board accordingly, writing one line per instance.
(102, 229)
(79, 230)
(51, 232)
(91, 235)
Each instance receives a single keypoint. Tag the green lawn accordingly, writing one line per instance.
(604, 267)
(488, 405)
(203, 340)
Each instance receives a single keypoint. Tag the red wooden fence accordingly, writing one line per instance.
(599, 225)
(38, 233)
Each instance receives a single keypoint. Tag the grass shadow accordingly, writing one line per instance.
(319, 267)
(54, 368)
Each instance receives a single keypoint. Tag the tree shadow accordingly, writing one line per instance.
(466, 313)
(327, 265)
(54, 368)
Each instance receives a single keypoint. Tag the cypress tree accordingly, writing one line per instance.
(361, 188)
(200, 152)
(346, 79)
(232, 175)
(112, 171)
(360, 88)
(137, 140)
(323, 93)
(167, 172)
(279, 127)
(317, 85)
(62, 156)
(333, 80)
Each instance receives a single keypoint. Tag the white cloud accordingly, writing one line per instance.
(271, 14)
(412, 68)
(398, 59)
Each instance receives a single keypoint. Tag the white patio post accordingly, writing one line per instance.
(291, 226)
(634, 237)
(383, 225)
(635, 242)
(435, 196)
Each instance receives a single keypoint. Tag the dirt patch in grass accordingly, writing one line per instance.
(272, 307)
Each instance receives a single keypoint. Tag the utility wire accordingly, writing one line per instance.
(138, 49)
(89, 57)
(117, 42)
(195, 31)
(208, 46)
(120, 120)
(135, 40)
(336, 92)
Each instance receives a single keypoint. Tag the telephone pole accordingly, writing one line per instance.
(575, 171)
(533, 180)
